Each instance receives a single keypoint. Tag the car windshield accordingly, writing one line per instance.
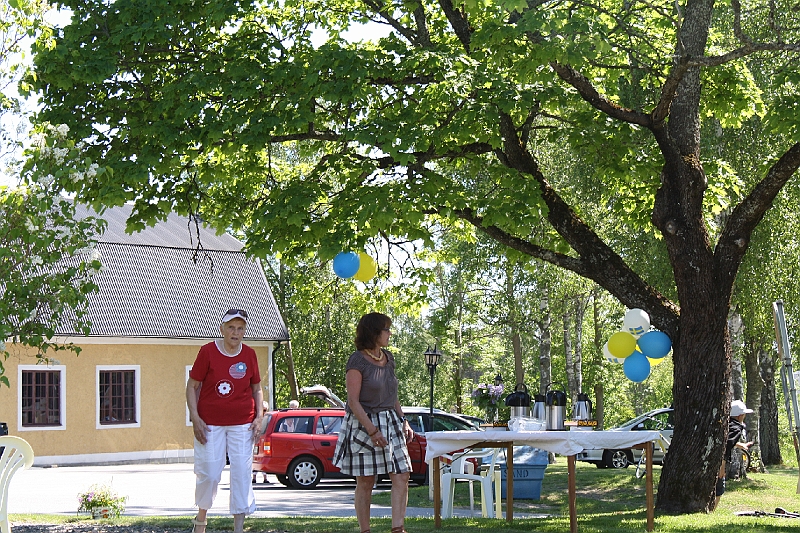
(646, 418)
(446, 423)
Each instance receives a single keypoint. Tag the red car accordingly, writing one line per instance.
(297, 445)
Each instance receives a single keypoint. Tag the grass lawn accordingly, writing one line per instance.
(608, 501)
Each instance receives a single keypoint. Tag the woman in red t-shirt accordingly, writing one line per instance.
(225, 405)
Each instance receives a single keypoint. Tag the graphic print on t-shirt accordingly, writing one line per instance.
(238, 370)
(224, 388)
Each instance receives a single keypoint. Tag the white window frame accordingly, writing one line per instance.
(62, 386)
(137, 372)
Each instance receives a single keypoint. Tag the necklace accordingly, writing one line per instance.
(221, 347)
(376, 358)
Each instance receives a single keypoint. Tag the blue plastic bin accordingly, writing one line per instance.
(529, 466)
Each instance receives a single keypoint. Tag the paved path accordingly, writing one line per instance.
(168, 490)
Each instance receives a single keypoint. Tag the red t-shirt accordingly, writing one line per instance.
(226, 397)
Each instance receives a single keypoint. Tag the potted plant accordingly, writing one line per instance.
(101, 502)
(488, 397)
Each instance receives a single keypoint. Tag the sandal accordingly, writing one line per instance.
(399, 529)
(196, 522)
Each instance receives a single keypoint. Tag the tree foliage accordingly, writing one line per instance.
(46, 254)
(447, 117)
(21, 21)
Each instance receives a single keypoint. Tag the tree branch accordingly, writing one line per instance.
(596, 100)
(736, 234)
(459, 23)
(597, 261)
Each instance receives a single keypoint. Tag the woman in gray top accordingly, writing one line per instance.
(374, 435)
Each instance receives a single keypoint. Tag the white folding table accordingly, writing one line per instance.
(568, 443)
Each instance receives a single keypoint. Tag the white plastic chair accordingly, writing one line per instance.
(488, 476)
(17, 454)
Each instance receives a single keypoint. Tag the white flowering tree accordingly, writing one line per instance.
(47, 256)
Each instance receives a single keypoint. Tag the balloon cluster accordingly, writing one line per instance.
(355, 265)
(636, 346)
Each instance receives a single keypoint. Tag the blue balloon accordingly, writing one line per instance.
(346, 264)
(654, 344)
(636, 367)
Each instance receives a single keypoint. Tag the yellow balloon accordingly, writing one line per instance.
(621, 344)
(367, 268)
(654, 362)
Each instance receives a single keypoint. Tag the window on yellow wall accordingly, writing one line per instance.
(118, 396)
(41, 398)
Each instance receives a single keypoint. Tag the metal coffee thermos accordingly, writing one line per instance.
(519, 401)
(539, 408)
(582, 409)
(555, 409)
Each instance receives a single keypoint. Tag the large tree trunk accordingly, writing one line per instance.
(701, 351)
(701, 392)
(768, 414)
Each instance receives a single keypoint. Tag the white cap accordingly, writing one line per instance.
(230, 314)
(739, 408)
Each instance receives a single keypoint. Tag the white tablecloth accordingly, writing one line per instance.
(561, 442)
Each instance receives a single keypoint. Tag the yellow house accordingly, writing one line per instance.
(162, 293)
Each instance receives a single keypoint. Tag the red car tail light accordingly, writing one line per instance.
(266, 447)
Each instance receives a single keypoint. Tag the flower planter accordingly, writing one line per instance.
(101, 512)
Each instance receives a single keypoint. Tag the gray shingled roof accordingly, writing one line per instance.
(151, 285)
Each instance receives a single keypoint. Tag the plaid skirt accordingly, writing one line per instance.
(356, 456)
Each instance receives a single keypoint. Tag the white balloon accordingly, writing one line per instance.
(636, 322)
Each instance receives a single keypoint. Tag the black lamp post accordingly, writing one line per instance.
(432, 359)
(498, 380)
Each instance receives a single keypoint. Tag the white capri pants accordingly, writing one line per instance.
(209, 461)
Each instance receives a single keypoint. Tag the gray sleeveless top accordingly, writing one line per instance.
(378, 384)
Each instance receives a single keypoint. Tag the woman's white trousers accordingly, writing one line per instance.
(209, 461)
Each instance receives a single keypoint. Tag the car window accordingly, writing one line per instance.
(657, 422)
(295, 424)
(446, 423)
(328, 425)
(415, 422)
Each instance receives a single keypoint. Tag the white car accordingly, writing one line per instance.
(657, 419)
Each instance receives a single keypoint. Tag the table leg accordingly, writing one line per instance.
(648, 450)
(437, 493)
(509, 482)
(573, 513)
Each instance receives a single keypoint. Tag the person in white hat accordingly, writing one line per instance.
(736, 430)
(226, 409)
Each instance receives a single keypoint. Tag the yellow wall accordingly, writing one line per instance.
(162, 396)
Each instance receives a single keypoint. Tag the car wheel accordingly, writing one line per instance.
(304, 473)
(283, 480)
(616, 458)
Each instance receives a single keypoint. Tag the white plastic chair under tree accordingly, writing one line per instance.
(488, 476)
(17, 454)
